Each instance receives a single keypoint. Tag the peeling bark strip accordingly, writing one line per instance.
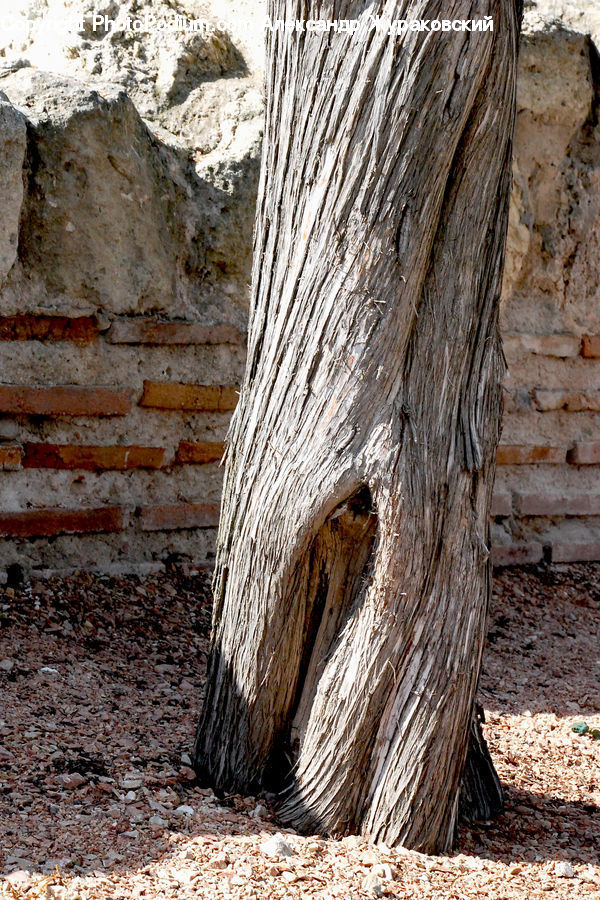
(352, 576)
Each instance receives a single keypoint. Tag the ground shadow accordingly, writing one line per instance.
(102, 679)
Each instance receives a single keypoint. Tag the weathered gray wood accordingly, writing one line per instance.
(352, 574)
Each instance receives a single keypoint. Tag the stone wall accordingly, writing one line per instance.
(128, 173)
(548, 481)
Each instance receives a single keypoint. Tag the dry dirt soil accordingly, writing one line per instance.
(101, 681)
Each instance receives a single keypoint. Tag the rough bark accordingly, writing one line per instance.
(352, 575)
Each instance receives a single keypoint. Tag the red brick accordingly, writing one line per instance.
(10, 456)
(179, 515)
(150, 331)
(193, 397)
(501, 503)
(576, 551)
(66, 456)
(81, 329)
(585, 453)
(590, 346)
(199, 452)
(559, 345)
(66, 400)
(46, 522)
(529, 454)
(537, 503)
(571, 401)
(517, 554)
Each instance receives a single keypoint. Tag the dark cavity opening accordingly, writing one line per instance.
(333, 582)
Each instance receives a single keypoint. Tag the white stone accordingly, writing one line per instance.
(564, 870)
(157, 821)
(184, 810)
(259, 812)
(373, 884)
(276, 846)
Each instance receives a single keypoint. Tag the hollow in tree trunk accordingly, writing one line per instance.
(353, 575)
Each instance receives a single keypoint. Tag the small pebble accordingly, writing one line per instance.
(383, 870)
(564, 870)
(56, 892)
(71, 781)
(372, 883)
(278, 847)
(132, 782)
(259, 812)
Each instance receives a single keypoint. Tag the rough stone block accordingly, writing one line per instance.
(13, 139)
(167, 517)
(195, 397)
(65, 400)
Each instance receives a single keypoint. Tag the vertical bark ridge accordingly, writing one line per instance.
(352, 645)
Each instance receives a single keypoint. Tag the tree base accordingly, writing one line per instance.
(481, 796)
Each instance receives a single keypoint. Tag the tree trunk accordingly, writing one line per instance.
(353, 575)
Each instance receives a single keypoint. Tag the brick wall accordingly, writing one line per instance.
(547, 490)
(122, 321)
(119, 462)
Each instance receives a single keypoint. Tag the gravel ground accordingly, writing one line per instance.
(101, 680)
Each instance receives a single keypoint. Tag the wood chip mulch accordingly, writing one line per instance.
(100, 685)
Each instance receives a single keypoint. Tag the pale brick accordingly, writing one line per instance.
(199, 452)
(192, 397)
(530, 454)
(517, 554)
(571, 401)
(537, 503)
(150, 331)
(167, 517)
(46, 522)
(590, 346)
(558, 345)
(501, 503)
(576, 550)
(81, 329)
(65, 400)
(585, 453)
(10, 456)
(92, 458)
